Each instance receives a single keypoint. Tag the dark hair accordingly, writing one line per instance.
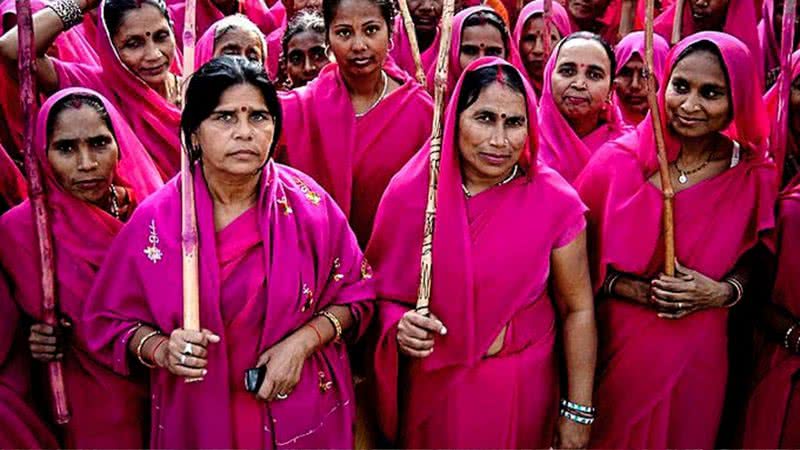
(76, 101)
(329, 8)
(486, 17)
(303, 21)
(589, 36)
(476, 81)
(114, 11)
(208, 84)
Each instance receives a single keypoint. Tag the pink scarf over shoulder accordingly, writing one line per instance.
(401, 53)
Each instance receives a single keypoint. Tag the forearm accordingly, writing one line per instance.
(144, 342)
(627, 287)
(580, 354)
(47, 26)
(320, 330)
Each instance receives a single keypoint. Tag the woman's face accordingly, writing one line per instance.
(359, 37)
(581, 81)
(83, 153)
(425, 14)
(306, 55)
(145, 44)
(478, 41)
(531, 46)
(492, 133)
(631, 85)
(584, 10)
(236, 137)
(709, 14)
(240, 42)
(697, 99)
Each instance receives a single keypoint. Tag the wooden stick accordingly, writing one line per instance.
(408, 24)
(440, 83)
(780, 132)
(548, 22)
(663, 164)
(677, 23)
(27, 67)
(626, 17)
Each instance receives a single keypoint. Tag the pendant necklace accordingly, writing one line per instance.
(683, 176)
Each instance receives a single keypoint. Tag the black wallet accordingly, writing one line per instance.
(254, 377)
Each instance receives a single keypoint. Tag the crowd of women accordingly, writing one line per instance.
(308, 131)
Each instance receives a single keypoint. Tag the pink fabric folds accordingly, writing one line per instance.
(560, 19)
(482, 281)
(354, 158)
(766, 36)
(274, 50)
(633, 44)
(82, 235)
(561, 148)
(12, 184)
(155, 120)
(310, 260)
(266, 19)
(204, 51)
(401, 53)
(779, 154)
(660, 381)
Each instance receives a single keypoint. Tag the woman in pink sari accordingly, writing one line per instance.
(12, 184)
(138, 56)
(283, 283)
(95, 173)
(787, 159)
(576, 113)
(275, 38)
(362, 119)
(600, 17)
(426, 15)
(304, 50)
(211, 11)
(508, 230)
(663, 339)
(630, 84)
(528, 37)
(233, 35)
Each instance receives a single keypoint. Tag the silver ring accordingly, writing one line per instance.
(282, 396)
(183, 360)
(187, 350)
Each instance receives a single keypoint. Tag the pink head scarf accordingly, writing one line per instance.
(771, 100)
(561, 148)
(265, 18)
(560, 19)
(401, 53)
(633, 44)
(12, 185)
(204, 51)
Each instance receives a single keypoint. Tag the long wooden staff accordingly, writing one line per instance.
(440, 83)
(189, 240)
(408, 24)
(677, 22)
(36, 193)
(626, 17)
(780, 131)
(663, 164)
(548, 22)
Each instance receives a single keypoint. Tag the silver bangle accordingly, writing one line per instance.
(576, 418)
(68, 11)
(789, 333)
(737, 286)
(577, 407)
(609, 284)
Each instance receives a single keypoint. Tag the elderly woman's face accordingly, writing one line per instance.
(492, 132)
(83, 153)
(240, 42)
(581, 80)
(236, 137)
(697, 99)
(145, 44)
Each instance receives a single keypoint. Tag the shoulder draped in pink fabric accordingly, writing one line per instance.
(633, 44)
(766, 36)
(204, 51)
(266, 19)
(661, 381)
(561, 21)
(482, 282)
(401, 53)
(12, 184)
(779, 155)
(354, 158)
(561, 148)
(307, 260)
(155, 120)
(82, 235)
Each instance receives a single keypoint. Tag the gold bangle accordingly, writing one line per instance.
(141, 346)
(334, 321)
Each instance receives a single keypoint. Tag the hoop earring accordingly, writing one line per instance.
(391, 44)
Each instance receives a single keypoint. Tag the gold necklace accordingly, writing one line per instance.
(507, 180)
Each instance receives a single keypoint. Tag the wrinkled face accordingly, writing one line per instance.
(581, 81)
(492, 133)
(145, 44)
(425, 14)
(83, 154)
(631, 85)
(697, 98)
(587, 9)
(359, 37)
(794, 108)
(236, 137)
(777, 22)
(531, 46)
(240, 42)
(307, 54)
(709, 14)
(478, 41)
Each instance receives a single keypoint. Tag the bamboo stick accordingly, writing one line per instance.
(677, 23)
(440, 83)
(626, 17)
(663, 164)
(36, 194)
(780, 132)
(408, 24)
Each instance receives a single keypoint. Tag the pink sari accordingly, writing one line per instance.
(82, 234)
(609, 22)
(266, 19)
(482, 282)
(779, 155)
(12, 184)
(264, 276)
(274, 50)
(204, 51)
(155, 120)
(561, 148)
(633, 44)
(401, 53)
(561, 21)
(766, 37)
(354, 158)
(661, 382)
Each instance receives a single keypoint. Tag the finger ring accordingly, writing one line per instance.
(183, 360)
(188, 349)
(282, 396)
(680, 305)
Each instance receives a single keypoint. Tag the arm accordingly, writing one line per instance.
(627, 287)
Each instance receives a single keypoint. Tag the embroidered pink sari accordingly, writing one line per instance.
(560, 147)
(482, 281)
(560, 19)
(204, 51)
(401, 53)
(82, 235)
(633, 44)
(354, 158)
(661, 382)
(264, 276)
(12, 184)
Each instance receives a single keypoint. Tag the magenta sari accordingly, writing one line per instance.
(82, 235)
(264, 276)
(779, 155)
(661, 382)
(766, 37)
(155, 120)
(266, 19)
(12, 184)
(204, 51)
(483, 281)
(560, 147)
(609, 22)
(401, 53)
(354, 158)
(633, 44)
